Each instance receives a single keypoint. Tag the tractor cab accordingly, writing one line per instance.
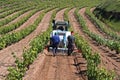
(60, 25)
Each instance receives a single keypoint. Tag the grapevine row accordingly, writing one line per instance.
(111, 44)
(10, 18)
(37, 45)
(8, 39)
(101, 26)
(11, 7)
(12, 11)
(10, 27)
(93, 60)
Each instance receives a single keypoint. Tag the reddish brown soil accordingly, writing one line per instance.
(89, 23)
(18, 18)
(6, 59)
(60, 67)
(30, 21)
(59, 15)
(47, 67)
(107, 61)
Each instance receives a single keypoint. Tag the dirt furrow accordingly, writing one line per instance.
(28, 22)
(45, 68)
(18, 18)
(67, 69)
(109, 63)
(17, 48)
(89, 24)
(51, 75)
(59, 15)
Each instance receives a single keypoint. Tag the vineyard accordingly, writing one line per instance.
(25, 27)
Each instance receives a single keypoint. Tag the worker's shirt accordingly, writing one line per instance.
(71, 40)
(55, 39)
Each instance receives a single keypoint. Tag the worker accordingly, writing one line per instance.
(71, 43)
(55, 42)
(53, 24)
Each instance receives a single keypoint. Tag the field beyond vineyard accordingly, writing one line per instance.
(25, 27)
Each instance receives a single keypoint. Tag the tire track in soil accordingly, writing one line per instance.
(45, 68)
(53, 68)
(66, 70)
(6, 59)
(106, 61)
(56, 68)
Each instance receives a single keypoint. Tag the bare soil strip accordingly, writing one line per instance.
(18, 18)
(47, 67)
(90, 25)
(28, 22)
(109, 63)
(6, 59)
(59, 15)
(59, 67)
